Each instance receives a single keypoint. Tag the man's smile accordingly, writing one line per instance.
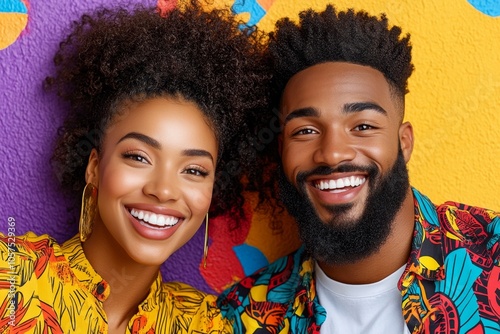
(340, 183)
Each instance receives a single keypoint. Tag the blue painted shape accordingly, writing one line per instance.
(488, 7)
(249, 6)
(13, 6)
(250, 257)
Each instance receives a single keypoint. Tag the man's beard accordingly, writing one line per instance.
(342, 240)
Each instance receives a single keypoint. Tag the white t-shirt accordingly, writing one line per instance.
(362, 308)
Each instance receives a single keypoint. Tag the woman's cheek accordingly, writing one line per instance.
(200, 198)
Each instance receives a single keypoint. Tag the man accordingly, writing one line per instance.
(378, 256)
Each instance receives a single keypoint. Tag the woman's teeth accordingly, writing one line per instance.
(154, 219)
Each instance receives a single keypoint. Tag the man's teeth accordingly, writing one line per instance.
(154, 218)
(352, 181)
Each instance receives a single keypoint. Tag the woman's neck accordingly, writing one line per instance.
(128, 280)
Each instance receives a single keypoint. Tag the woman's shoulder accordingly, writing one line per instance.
(200, 307)
(186, 296)
(29, 244)
(182, 290)
(28, 254)
(29, 236)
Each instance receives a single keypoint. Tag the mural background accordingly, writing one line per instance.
(453, 102)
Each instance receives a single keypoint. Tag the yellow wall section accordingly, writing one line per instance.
(11, 25)
(454, 96)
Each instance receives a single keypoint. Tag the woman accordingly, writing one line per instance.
(156, 109)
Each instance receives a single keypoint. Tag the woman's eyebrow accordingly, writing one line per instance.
(197, 153)
(142, 137)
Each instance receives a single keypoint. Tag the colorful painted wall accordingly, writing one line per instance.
(453, 102)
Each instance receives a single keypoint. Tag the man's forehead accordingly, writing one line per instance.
(334, 78)
(335, 71)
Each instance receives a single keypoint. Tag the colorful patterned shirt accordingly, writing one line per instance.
(50, 288)
(451, 283)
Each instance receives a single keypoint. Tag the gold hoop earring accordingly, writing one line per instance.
(87, 213)
(205, 245)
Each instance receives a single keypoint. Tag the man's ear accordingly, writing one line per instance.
(406, 140)
(92, 170)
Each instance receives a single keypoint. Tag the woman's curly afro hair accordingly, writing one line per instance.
(115, 56)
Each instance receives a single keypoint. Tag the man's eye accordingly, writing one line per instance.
(304, 132)
(363, 127)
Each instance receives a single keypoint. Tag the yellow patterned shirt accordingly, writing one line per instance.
(50, 288)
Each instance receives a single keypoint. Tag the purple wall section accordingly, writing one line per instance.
(29, 119)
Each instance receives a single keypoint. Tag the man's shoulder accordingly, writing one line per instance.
(276, 283)
(469, 222)
(279, 296)
(457, 235)
(457, 218)
(461, 243)
(279, 272)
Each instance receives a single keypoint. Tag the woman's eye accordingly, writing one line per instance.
(136, 157)
(196, 172)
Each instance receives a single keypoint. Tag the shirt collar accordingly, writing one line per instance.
(151, 301)
(83, 270)
(426, 257)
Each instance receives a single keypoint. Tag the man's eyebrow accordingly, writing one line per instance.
(141, 137)
(197, 153)
(302, 112)
(361, 106)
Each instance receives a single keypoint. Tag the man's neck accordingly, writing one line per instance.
(393, 254)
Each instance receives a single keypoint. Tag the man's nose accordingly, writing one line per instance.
(334, 148)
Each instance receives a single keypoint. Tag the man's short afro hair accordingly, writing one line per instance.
(350, 36)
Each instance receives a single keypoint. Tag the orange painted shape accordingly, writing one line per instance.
(11, 26)
(165, 6)
(266, 4)
(273, 243)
